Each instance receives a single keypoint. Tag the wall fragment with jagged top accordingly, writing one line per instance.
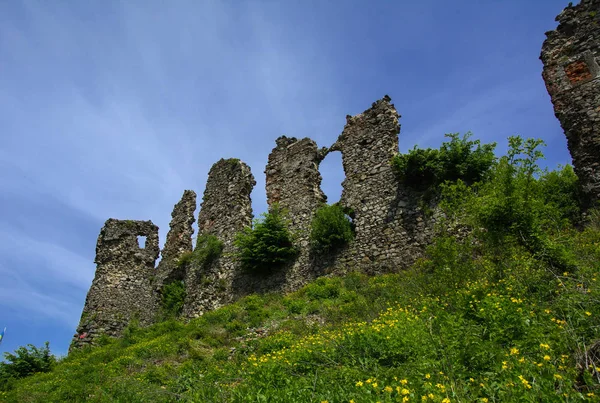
(123, 286)
(571, 58)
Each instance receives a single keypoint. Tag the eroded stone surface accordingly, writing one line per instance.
(294, 182)
(570, 55)
(179, 238)
(226, 209)
(179, 241)
(123, 285)
(391, 229)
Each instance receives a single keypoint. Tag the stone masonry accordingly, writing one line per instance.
(294, 182)
(179, 241)
(390, 228)
(123, 285)
(226, 209)
(571, 58)
(179, 238)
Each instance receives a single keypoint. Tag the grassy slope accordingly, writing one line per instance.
(466, 325)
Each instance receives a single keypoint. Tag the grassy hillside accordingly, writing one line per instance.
(506, 312)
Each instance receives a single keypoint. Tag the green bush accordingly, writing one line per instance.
(520, 203)
(460, 158)
(173, 297)
(267, 245)
(208, 249)
(330, 229)
(25, 361)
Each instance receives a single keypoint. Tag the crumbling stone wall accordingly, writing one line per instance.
(179, 238)
(391, 228)
(390, 225)
(571, 58)
(226, 209)
(179, 241)
(293, 181)
(123, 285)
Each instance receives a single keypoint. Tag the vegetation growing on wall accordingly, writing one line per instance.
(208, 249)
(267, 245)
(331, 229)
(459, 158)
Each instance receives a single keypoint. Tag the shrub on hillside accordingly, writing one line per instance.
(330, 229)
(25, 361)
(460, 158)
(172, 298)
(520, 202)
(267, 245)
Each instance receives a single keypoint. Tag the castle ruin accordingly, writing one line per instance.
(391, 226)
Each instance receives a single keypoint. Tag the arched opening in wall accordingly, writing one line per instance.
(141, 240)
(332, 172)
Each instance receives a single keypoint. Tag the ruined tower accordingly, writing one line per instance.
(571, 57)
(122, 288)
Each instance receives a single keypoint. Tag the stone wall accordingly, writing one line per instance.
(124, 282)
(226, 209)
(179, 241)
(391, 227)
(294, 182)
(571, 57)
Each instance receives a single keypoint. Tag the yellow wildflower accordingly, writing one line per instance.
(359, 383)
(405, 391)
(403, 381)
(388, 389)
(427, 376)
(547, 358)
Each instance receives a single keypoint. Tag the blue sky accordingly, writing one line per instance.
(113, 108)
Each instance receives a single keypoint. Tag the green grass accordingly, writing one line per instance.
(479, 328)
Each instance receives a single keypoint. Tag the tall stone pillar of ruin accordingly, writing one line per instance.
(123, 285)
(389, 231)
(226, 209)
(571, 56)
(178, 242)
(294, 182)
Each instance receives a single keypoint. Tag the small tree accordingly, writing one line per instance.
(25, 361)
(267, 245)
(330, 229)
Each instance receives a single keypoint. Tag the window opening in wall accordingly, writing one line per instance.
(332, 172)
(141, 240)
